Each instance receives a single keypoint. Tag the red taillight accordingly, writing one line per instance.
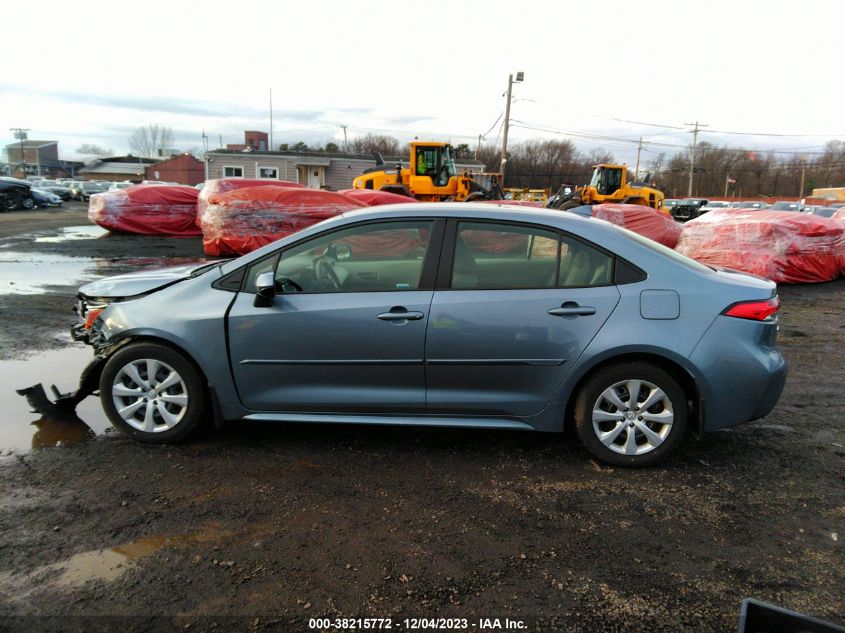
(91, 317)
(754, 310)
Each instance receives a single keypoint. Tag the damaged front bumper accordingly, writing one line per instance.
(87, 329)
(65, 403)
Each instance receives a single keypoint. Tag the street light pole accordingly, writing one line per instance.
(519, 78)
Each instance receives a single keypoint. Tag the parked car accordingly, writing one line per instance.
(15, 194)
(712, 206)
(688, 208)
(781, 205)
(45, 197)
(116, 186)
(749, 204)
(455, 315)
(75, 190)
(87, 189)
(55, 187)
(816, 209)
(670, 203)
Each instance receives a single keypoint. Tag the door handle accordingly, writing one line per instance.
(404, 315)
(572, 309)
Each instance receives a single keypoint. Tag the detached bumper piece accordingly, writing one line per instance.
(759, 617)
(64, 405)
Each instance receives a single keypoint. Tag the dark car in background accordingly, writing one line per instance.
(782, 205)
(749, 204)
(45, 197)
(817, 209)
(688, 208)
(55, 187)
(87, 189)
(15, 194)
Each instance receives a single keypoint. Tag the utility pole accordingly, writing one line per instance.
(727, 181)
(20, 134)
(519, 78)
(205, 151)
(637, 168)
(271, 120)
(345, 140)
(478, 149)
(803, 169)
(694, 131)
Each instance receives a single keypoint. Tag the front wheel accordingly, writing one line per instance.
(28, 203)
(152, 393)
(631, 414)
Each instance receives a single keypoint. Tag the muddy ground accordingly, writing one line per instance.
(260, 527)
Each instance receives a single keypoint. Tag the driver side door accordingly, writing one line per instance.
(352, 339)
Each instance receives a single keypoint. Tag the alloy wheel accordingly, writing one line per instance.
(632, 417)
(150, 395)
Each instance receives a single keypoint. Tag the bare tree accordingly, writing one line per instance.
(150, 140)
(371, 143)
(96, 150)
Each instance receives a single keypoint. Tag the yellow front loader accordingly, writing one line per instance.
(431, 177)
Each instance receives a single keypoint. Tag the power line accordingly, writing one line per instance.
(675, 127)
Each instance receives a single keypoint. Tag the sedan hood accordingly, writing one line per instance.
(142, 282)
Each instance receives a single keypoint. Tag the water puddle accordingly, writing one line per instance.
(71, 233)
(32, 273)
(109, 564)
(20, 429)
(104, 564)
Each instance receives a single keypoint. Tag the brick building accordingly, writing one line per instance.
(184, 169)
(38, 158)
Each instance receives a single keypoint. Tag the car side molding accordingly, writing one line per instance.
(404, 420)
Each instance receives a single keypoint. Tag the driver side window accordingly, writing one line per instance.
(375, 257)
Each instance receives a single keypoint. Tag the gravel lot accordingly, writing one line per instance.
(265, 526)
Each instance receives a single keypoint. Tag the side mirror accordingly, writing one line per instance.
(265, 290)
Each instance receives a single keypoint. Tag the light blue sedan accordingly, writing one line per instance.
(442, 315)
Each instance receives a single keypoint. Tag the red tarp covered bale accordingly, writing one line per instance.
(147, 210)
(374, 198)
(640, 219)
(222, 185)
(784, 246)
(242, 220)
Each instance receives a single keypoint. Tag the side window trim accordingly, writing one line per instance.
(429, 267)
(444, 271)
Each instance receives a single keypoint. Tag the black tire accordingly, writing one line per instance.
(192, 387)
(28, 203)
(611, 378)
(11, 202)
(570, 204)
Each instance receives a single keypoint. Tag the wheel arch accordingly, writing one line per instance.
(686, 379)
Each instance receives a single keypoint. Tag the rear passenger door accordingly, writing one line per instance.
(513, 308)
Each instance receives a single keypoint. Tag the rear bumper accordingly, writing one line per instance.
(743, 372)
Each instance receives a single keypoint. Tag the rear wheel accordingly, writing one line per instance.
(11, 202)
(631, 414)
(152, 393)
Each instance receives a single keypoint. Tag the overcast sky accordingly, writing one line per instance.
(91, 72)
